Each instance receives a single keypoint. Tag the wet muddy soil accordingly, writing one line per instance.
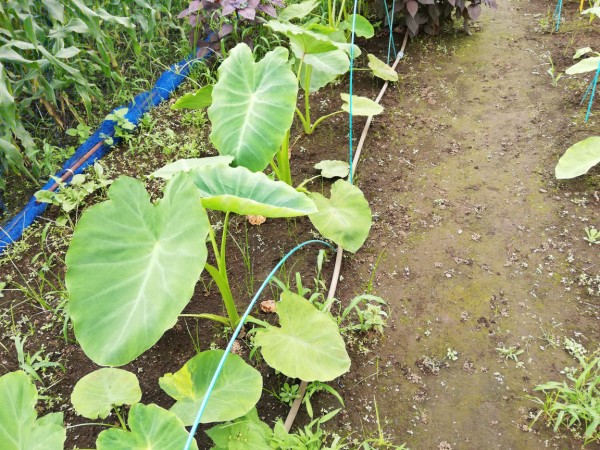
(482, 248)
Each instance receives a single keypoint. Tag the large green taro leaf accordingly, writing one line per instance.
(185, 165)
(132, 267)
(152, 427)
(19, 427)
(579, 158)
(585, 65)
(235, 393)
(324, 67)
(95, 394)
(345, 218)
(303, 41)
(307, 345)
(248, 432)
(238, 190)
(253, 106)
(362, 27)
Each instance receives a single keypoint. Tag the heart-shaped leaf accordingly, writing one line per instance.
(307, 345)
(579, 158)
(238, 190)
(20, 429)
(297, 11)
(362, 27)
(333, 169)
(583, 66)
(236, 391)
(361, 106)
(324, 68)
(200, 99)
(152, 427)
(248, 432)
(345, 218)
(132, 267)
(381, 69)
(96, 393)
(253, 106)
(185, 165)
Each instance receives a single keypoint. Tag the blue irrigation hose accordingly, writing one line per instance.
(350, 177)
(592, 88)
(94, 147)
(235, 335)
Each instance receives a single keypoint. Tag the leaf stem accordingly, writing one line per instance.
(120, 417)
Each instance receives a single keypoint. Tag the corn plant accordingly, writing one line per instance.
(51, 52)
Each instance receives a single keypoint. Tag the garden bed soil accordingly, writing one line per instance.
(474, 245)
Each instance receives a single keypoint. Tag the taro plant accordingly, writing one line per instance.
(132, 265)
(320, 55)
(148, 426)
(20, 428)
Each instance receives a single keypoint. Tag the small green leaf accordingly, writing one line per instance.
(297, 11)
(325, 67)
(152, 427)
(247, 432)
(235, 393)
(345, 218)
(583, 66)
(238, 190)
(303, 41)
(20, 429)
(363, 27)
(96, 393)
(582, 51)
(381, 69)
(579, 158)
(185, 165)
(200, 99)
(361, 106)
(307, 345)
(333, 169)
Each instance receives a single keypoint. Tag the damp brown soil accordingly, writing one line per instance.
(474, 245)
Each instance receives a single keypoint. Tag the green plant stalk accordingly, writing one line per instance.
(283, 160)
(120, 417)
(219, 274)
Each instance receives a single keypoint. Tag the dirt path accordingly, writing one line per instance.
(476, 239)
